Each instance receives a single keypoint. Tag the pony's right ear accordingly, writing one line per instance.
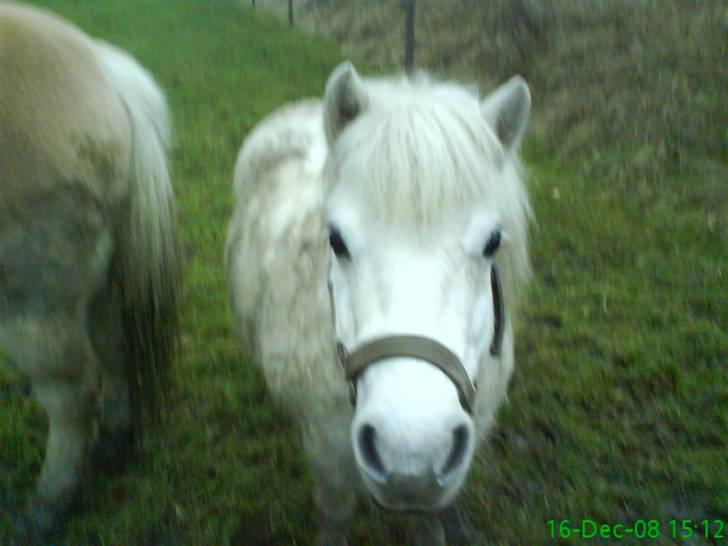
(506, 110)
(344, 99)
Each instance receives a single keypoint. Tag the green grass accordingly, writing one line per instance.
(617, 409)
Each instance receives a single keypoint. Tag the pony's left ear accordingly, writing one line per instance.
(506, 111)
(343, 100)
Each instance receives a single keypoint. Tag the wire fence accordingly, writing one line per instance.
(408, 9)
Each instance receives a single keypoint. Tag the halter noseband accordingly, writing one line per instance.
(426, 349)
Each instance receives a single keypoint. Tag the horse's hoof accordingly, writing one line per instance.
(428, 531)
(330, 535)
(459, 530)
(43, 521)
(6, 502)
(36, 527)
(112, 450)
(471, 537)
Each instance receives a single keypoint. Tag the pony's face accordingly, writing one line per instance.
(412, 438)
(394, 272)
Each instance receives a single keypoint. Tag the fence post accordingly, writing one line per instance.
(409, 35)
(290, 13)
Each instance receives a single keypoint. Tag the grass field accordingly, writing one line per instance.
(618, 410)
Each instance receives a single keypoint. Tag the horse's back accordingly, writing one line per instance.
(63, 125)
(64, 160)
(277, 186)
(276, 255)
(290, 134)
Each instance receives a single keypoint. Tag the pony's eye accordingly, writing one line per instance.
(493, 243)
(337, 243)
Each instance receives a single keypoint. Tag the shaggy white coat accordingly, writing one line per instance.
(425, 148)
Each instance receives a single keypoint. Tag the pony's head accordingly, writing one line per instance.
(422, 196)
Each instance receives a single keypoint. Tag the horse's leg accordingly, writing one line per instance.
(52, 262)
(114, 443)
(59, 359)
(327, 445)
(459, 531)
(428, 531)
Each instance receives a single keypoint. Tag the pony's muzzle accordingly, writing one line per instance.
(411, 493)
(368, 454)
(417, 480)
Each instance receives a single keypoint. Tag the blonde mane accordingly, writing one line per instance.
(425, 147)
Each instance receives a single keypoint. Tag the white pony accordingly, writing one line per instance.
(372, 222)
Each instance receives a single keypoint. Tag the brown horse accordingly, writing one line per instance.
(89, 260)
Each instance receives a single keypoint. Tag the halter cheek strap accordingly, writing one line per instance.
(426, 349)
(499, 312)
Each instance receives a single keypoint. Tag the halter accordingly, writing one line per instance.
(427, 349)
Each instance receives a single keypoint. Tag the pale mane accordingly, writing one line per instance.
(424, 147)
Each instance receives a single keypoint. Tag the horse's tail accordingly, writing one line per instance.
(147, 263)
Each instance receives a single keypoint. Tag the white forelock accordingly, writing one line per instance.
(422, 149)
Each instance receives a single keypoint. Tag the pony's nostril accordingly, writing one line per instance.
(368, 450)
(459, 448)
